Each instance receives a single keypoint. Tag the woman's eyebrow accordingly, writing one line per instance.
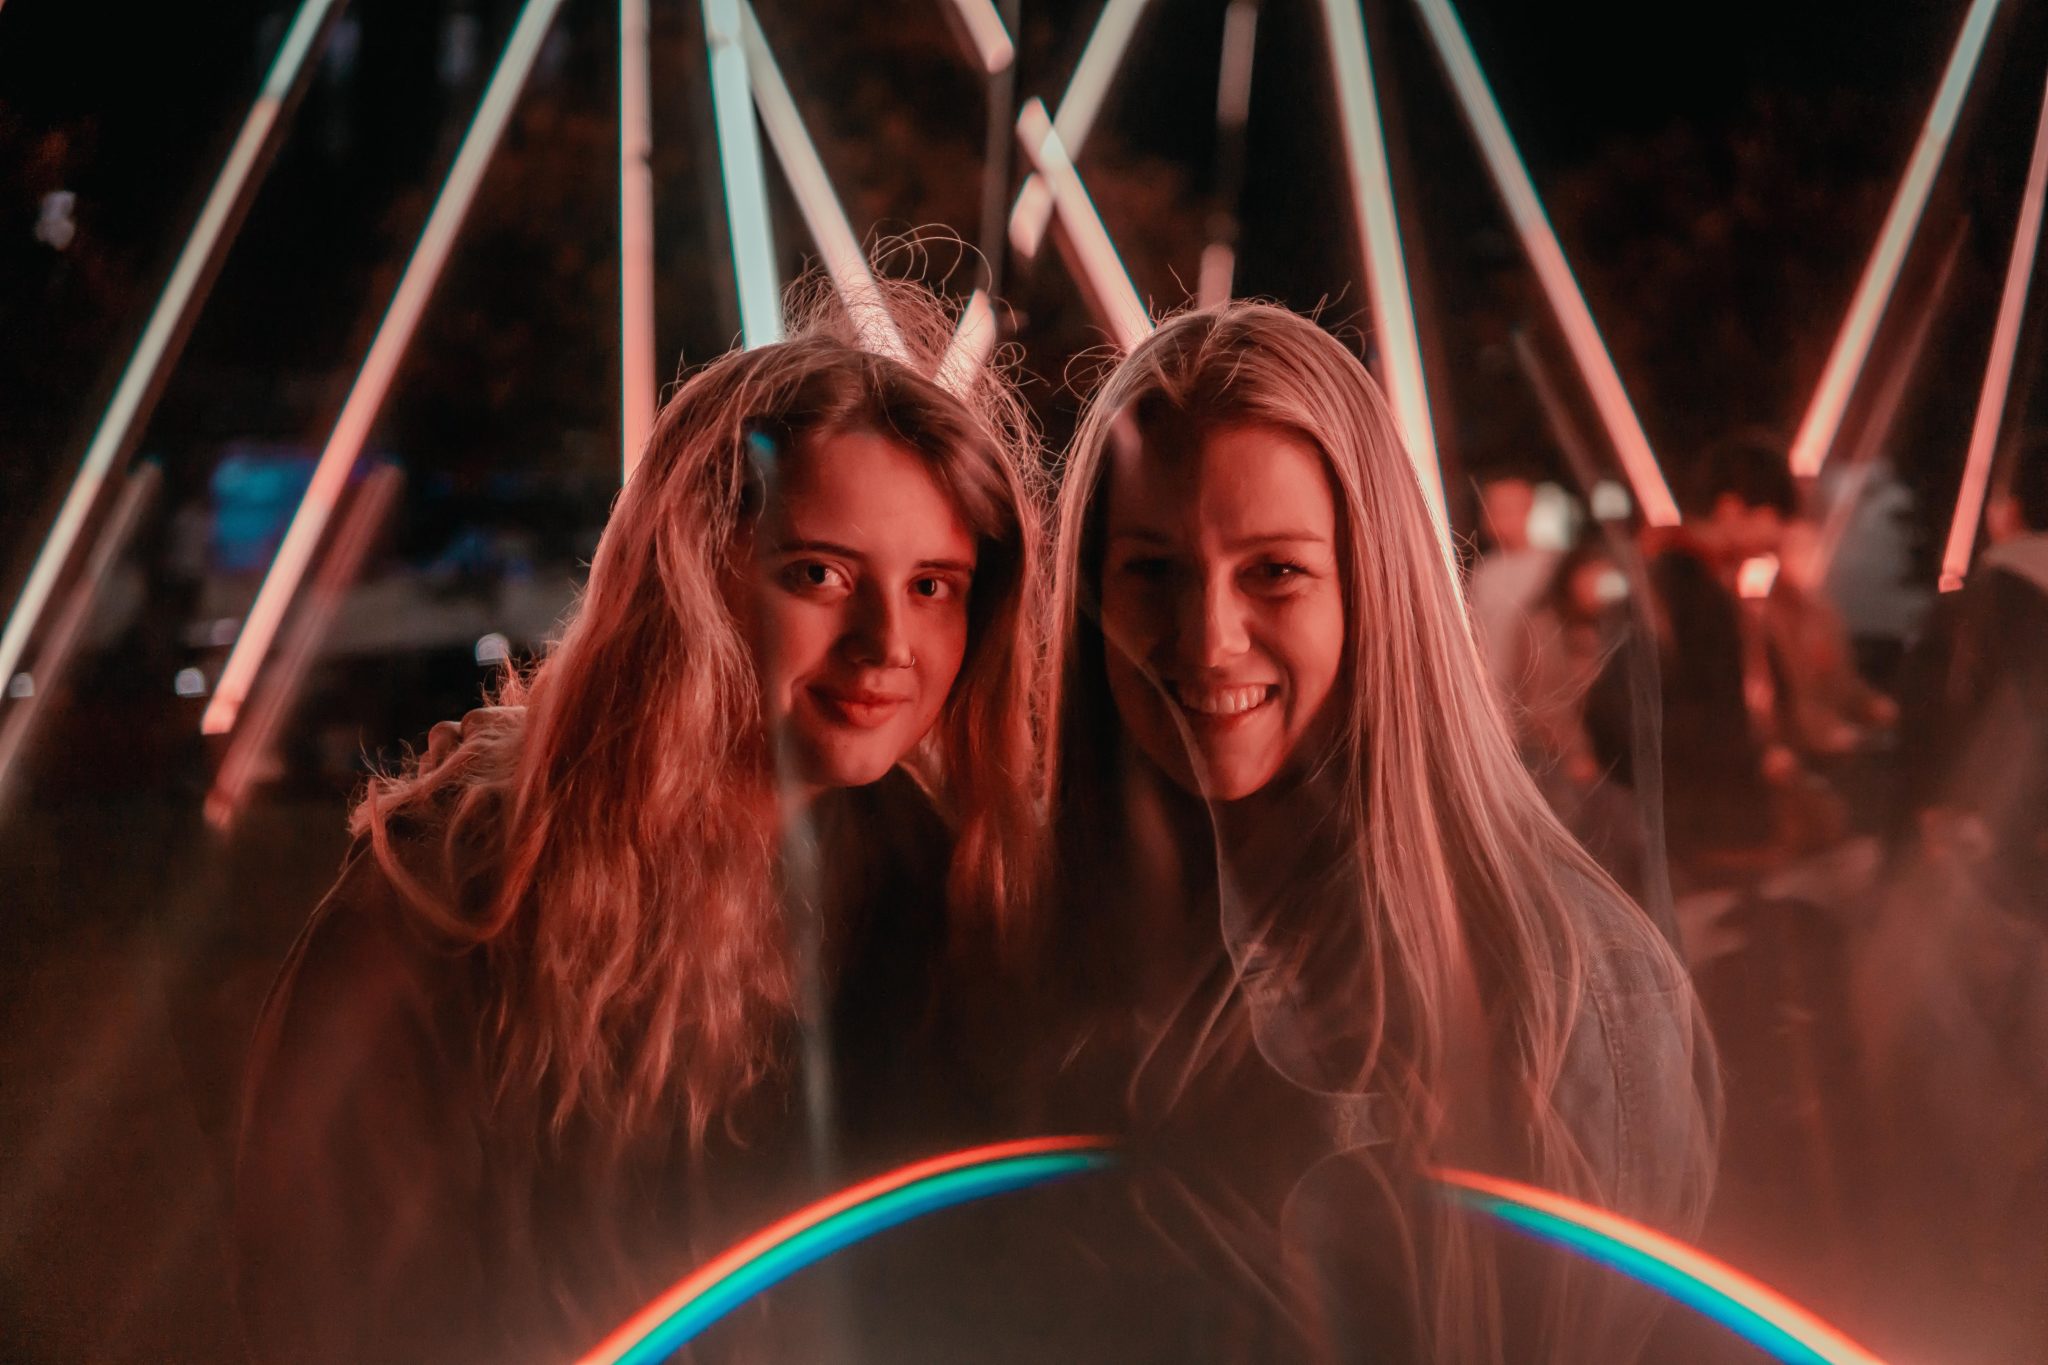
(1265, 538)
(948, 565)
(818, 547)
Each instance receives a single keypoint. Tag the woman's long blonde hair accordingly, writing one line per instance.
(600, 829)
(1465, 897)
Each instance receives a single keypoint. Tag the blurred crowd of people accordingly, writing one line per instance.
(1856, 842)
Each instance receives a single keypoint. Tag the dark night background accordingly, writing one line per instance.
(1716, 174)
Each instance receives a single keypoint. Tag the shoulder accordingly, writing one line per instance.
(365, 986)
(1640, 1086)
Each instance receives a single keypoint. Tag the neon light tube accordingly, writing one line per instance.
(985, 29)
(974, 341)
(271, 707)
(1379, 230)
(1852, 345)
(844, 260)
(810, 1234)
(1884, 408)
(374, 381)
(1031, 215)
(636, 236)
(746, 179)
(1754, 1311)
(1096, 264)
(69, 623)
(1213, 277)
(174, 306)
(1553, 272)
(2005, 340)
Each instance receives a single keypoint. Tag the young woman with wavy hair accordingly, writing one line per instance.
(1334, 925)
(621, 957)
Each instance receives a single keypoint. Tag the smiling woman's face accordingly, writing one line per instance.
(1222, 605)
(857, 607)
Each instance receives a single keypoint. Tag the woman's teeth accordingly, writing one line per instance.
(1221, 701)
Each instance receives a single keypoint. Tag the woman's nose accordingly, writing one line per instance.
(880, 635)
(1212, 629)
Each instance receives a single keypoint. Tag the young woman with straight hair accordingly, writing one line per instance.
(622, 966)
(1332, 936)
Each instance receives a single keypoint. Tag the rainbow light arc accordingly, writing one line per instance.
(1745, 1306)
(855, 1214)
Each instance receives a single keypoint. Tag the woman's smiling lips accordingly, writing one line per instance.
(1219, 706)
(858, 707)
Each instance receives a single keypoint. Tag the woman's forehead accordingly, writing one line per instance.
(1239, 479)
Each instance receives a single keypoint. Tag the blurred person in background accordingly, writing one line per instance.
(1512, 572)
(624, 964)
(1728, 777)
(1325, 932)
(1571, 633)
(1951, 978)
(1977, 728)
(1827, 712)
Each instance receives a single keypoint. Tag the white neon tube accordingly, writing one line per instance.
(745, 177)
(172, 306)
(985, 29)
(374, 380)
(1379, 230)
(257, 734)
(2005, 340)
(70, 621)
(844, 260)
(1096, 264)
(1553, 272)
(974, 341)
(636, 236)
(1031, 215)
(1823, 418)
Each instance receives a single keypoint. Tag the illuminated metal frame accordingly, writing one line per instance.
(1553, 272)
(174, 307)
(1379, 230)
(745, 177)
(1093, 256)
(844, 260)
(1031, 214)
(2005, 340)
(255, 737)
(373, 382)
(974, 341)
(636, 236)
(1830, 400)
(69, 624)
(986, 30)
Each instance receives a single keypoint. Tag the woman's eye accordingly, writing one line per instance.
(1152, 570)
(936, 589)
(813, 575)
(1277, 574)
